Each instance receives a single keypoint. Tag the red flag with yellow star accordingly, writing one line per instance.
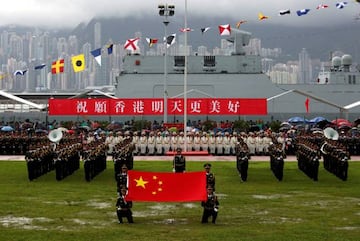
(166, 187)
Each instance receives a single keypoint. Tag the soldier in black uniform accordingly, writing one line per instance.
(210, 177)
(211, 206)
(123, 207)
(121, 179)
(179, 162)
(242, 159)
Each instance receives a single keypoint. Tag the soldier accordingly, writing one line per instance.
(151, 143)
(211, 206)
(136, 141)
(159, 143)
(123, 207)
(266, 140)
(259, 144)
(251, 143)
(181, 140)
(219, 144)
(174, 141)
(277, 156)
(179, 162)
(210, 177)
(227, 143)
(109, 141)
(212, 143)
(204, 142)
(166, 142)
(143, 143)
(122, 178)
(233, 142)
(189, 141)
(242, 159)
(197, 141)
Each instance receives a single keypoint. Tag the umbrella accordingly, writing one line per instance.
(85, 128)
(341, 122)
(284, 128)
(7, 128)
(285, 123)
(317, 119)
(38, 131)
(297, 119)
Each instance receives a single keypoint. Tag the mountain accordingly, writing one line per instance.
(319, 41)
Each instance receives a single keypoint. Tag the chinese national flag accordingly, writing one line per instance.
(57, 66)
(166, 187)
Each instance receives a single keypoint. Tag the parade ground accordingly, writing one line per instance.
(206, 158)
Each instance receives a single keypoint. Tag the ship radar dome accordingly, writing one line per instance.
(336, 61)
(346, 60)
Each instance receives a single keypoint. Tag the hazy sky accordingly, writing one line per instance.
(69, 13)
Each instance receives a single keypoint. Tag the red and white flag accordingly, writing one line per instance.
(225, 29)
(132, 44)
(186, 30)
(320, 6)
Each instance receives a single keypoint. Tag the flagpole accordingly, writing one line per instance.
(185, 80)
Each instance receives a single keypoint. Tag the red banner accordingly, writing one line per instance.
(166, 187)
(155, 106)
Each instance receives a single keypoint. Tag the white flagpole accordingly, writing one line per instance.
(185, 80)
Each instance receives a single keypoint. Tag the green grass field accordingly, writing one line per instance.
(260, 209)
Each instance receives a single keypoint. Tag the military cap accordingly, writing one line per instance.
(207, 165)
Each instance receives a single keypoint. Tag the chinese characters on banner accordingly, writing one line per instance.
(155, 106)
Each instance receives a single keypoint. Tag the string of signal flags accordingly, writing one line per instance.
(78, 61)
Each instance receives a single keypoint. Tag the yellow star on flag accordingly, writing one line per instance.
(140, 182)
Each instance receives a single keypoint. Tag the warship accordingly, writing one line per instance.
(334, 94)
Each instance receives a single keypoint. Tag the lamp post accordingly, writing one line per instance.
(166, 10)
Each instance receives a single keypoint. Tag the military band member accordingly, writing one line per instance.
(210, 177)
(179, 162)
(211, 206)
(123, 207)
(119, 137)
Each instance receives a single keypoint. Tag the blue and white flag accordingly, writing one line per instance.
(284, 12)
(20, 72)
(341, 5)
(41, 66)
(97, 55)
(302, 12)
